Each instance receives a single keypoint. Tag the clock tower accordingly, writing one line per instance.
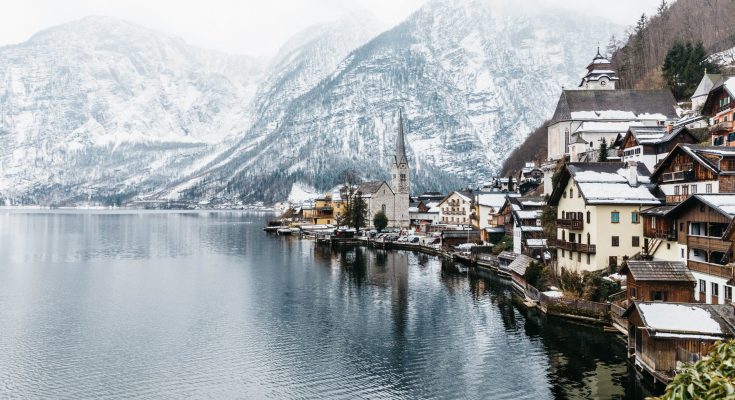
(400, 178)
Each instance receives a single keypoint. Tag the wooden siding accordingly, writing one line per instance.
(661, 231)
(683, 162)
(676, 292)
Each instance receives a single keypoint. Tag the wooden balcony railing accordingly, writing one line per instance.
(574, 224)
(580, 247)
(723, 271)
(676, 198)
(725, 126)
(708, 243)
(678, 176)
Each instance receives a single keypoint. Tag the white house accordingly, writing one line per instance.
(598, 213)
(456, 209)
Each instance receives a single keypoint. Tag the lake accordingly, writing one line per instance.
(207, 305)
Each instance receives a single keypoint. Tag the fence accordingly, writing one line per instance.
(561, 305)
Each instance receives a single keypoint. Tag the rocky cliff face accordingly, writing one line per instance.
(102, 109)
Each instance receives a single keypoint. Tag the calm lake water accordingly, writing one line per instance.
(206, 305)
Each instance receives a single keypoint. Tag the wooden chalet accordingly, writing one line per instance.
(692, 169)
(659, 281)
(720, 107)
(651, 144)
(663, 336)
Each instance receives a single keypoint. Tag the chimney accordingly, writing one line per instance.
(632, 173)
(669, 128)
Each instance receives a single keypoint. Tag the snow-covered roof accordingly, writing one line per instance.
(705, 85)
(536, 242)
(596, 126)
(531, 228)
(608, 183)
(725, 202)
(619, 104)
(681, 320)
(531, 214)
(699, 154)
(494, 200)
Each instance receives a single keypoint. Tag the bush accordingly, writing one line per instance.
(537, 275)
(505, 244)
(590, 286)
(380, 221)
(712, 377)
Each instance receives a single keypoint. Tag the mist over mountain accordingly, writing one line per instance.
(105, 110)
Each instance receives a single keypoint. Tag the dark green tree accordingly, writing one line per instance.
(536, 275)
(684, 66)
(358, 211)
(380, 221)
(602, 156)
(510, 183)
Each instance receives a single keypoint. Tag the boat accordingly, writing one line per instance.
(284, 231)
(295, 230)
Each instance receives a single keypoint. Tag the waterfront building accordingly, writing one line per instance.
(423, 215)
(456, 208)
(699, 226)
(522, 221)
(598, 213)
(651, 144)
(488, 219)
(719, 107)
(692, 169)
(664, 336)
(668, 281)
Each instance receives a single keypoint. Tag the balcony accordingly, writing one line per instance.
(723, 271)
(676, 198)
(678, 175)
(582, 248)
(725, 126)
(574, 224)
(709, 243)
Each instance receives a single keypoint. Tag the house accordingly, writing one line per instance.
(705, 85)
(691, 169)
(600, 74)
(701, 223)
(422, 215)
(517, 269)
(720, 108)
(660, 236)
(664, 336)
(487, 212)
(651, 144)
(598, 213)
(456, 208)
(431, 197)
(668, 281)
(524, 223)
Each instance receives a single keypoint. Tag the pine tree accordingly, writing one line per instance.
(684, 66)
(358, 211)
(510, 183)
(602, 156)
(380, 221)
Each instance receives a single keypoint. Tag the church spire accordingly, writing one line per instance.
(400, 156)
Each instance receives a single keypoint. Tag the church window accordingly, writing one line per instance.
(382, 208)
(403, 177)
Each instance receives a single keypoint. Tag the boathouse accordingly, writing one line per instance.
(663, 336)
(659, 281)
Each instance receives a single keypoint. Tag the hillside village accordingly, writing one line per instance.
(632, 211)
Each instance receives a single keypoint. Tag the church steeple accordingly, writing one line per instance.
(400, 161)
(400, 156)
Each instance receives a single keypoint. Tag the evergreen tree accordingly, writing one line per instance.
(358, 211)
(510, 183)
(602, 156)
(662, 7)
(684, 66)
(380, 221)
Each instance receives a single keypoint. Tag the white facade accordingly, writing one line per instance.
(455, 209)
(712, 284)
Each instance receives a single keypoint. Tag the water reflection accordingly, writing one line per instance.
(207, 305)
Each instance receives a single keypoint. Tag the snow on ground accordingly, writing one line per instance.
(301, 192)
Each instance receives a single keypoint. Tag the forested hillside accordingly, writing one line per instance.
(640, 59)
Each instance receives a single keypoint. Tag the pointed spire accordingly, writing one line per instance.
(400, 144)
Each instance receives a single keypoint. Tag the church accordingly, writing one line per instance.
(392, 199)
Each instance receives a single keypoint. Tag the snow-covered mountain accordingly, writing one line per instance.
(103, 109)
(473, 76)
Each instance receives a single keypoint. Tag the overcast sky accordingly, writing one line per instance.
(256, 27)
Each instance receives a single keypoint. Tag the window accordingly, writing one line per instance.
(615, 241)
(579, 193)
(681, 226)
(636, 241)
(694, 189)
(614, 217)
(728, 293)
(382, 208)
(634, 217)
(653, 222)
(579, 257)
(588, 259)
(702, 286)
(564, 195)
(684, 190)
(571, 193)
(668, 246)
(633, 292)
(588, 217)
(715, 289)
(571, 254)
(676, 190)
(562, 252)
(658, 295)
(708, 188)
(682, 253)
